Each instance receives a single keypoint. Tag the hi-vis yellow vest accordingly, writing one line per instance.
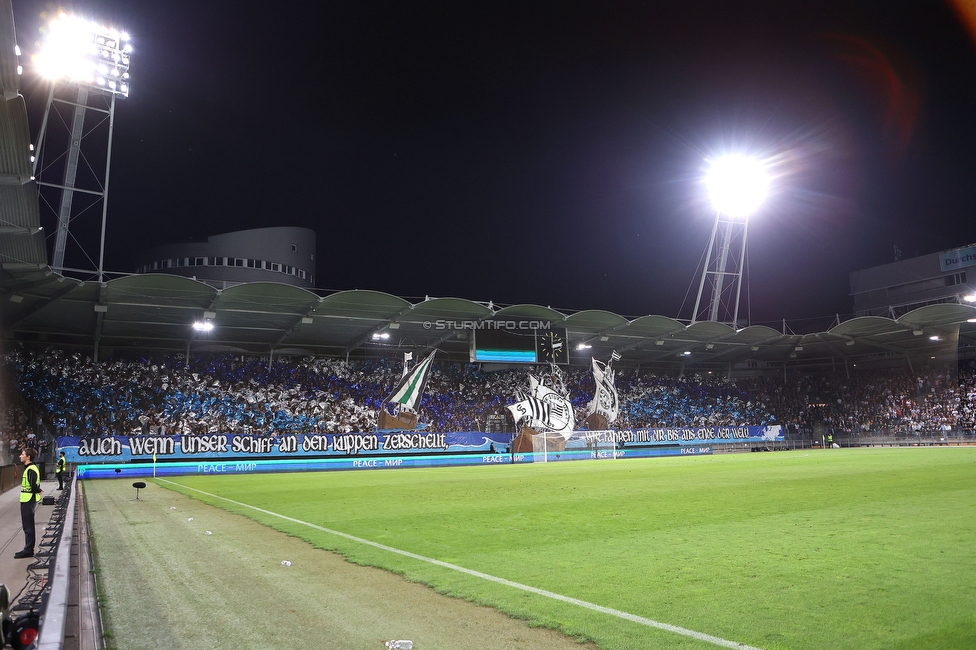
(26, 495)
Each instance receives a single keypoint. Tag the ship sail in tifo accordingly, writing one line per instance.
(406, 396)
(603, 409)
(543, 411)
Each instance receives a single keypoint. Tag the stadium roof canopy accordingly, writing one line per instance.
(155, 312)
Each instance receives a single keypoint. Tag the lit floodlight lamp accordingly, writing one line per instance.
(79, 51)
(583, 346)
(935, 337)
(737, 184)
(971, 297)
(203, 326)
(381, 336)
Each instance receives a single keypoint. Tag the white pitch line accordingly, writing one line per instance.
(701, 636)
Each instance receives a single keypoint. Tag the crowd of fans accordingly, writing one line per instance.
(938, 402)
(61, 393)
(692, 401)
(17, 428)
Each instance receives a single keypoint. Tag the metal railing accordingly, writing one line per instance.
(45, 594)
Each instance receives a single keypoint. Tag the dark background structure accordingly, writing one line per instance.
(544, 152)
(539, 161)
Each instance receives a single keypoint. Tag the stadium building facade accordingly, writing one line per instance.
(281, 254)
(893, 290)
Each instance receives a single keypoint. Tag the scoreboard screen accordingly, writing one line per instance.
(514, 345)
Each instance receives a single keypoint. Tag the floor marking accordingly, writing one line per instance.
(701, 636)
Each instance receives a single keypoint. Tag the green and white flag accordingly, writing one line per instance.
(410, 388)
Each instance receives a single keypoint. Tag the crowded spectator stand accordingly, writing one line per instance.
(54, 394)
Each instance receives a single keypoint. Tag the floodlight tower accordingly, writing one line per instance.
(737, 186)
(88, 66)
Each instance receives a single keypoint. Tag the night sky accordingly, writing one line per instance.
(544, 152)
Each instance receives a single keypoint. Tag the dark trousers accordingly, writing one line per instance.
(60, 476)
(27, 519)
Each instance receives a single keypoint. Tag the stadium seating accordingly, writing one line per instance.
(69, 394)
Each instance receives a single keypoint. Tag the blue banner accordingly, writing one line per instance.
(221, 467)
(957, 259)
(701, 435)
(237, 446)
(232, 447)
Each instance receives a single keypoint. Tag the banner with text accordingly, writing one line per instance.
(206, 467)
(959, 258)
(385, 443)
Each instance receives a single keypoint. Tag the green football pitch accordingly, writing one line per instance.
(869, 548)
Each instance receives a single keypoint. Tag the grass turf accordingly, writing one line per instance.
(824, 549)
(176, 573)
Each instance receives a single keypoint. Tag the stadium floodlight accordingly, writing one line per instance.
(88, 67)
(737, 185)
(79, 51)
(203, 326)
(971, 297)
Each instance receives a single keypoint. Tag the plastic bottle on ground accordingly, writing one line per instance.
(399, 645)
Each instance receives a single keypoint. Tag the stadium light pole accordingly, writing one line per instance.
(88, 66)
(737, 185)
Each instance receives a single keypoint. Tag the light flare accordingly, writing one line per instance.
(737, 184)
(80, 51)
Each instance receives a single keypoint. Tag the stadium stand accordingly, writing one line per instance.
(120, 357)
(70, 394)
